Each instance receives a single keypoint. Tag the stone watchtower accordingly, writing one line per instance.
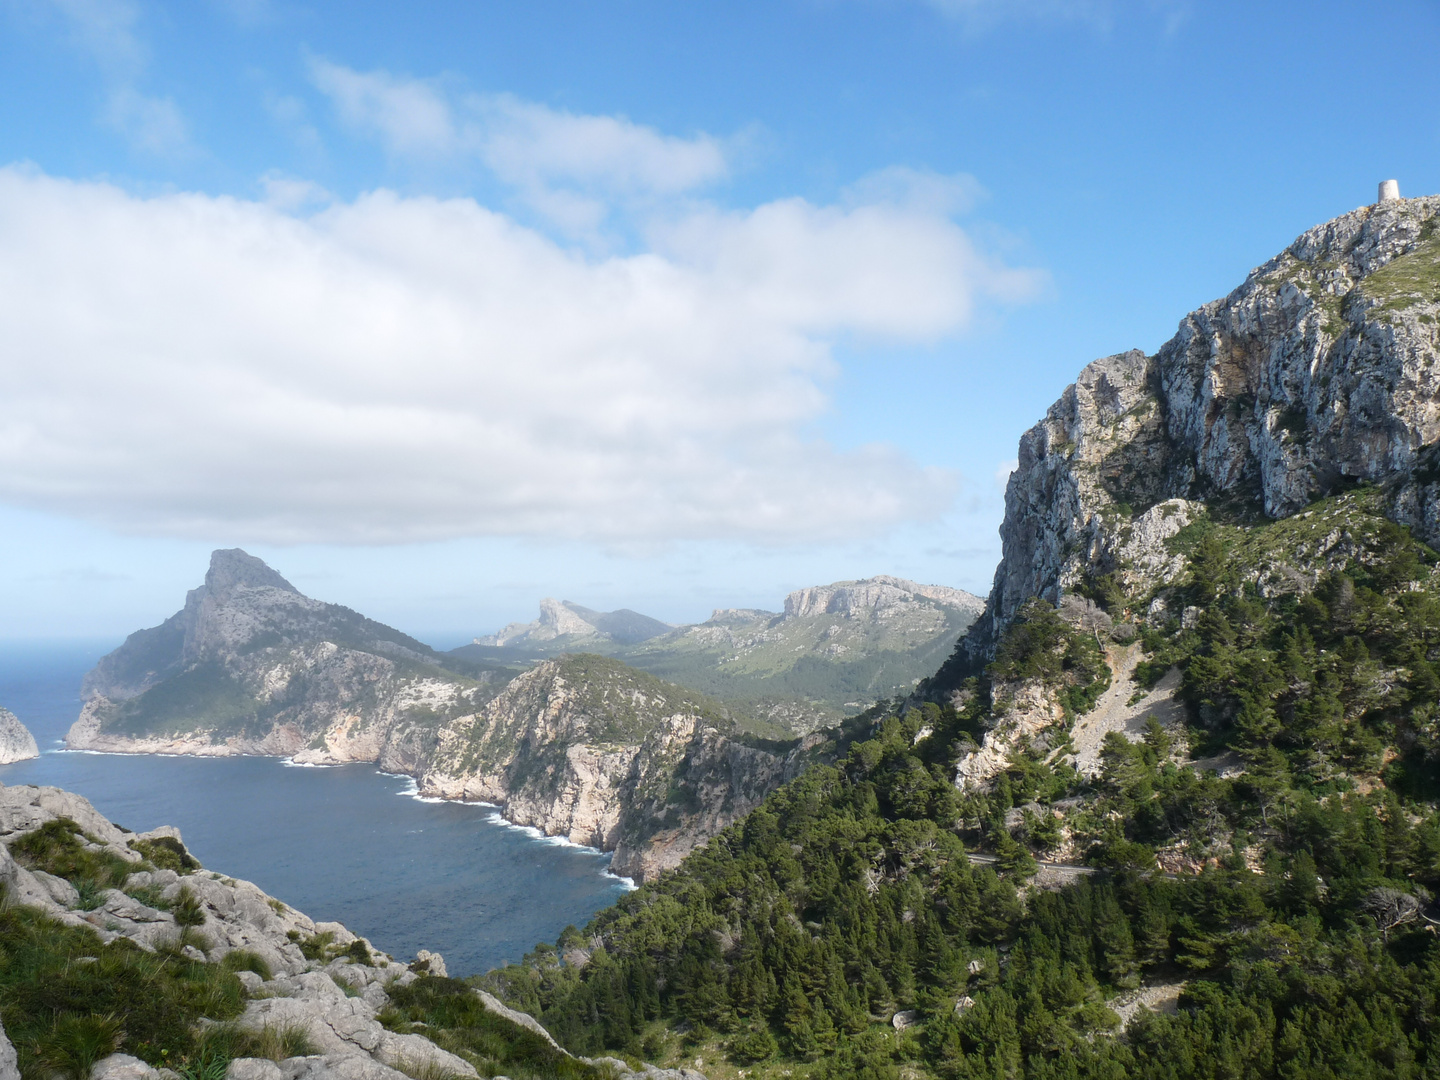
(1389, 191)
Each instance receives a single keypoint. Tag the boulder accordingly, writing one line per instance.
(123, 1067)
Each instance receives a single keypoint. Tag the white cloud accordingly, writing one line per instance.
(152, 124)
(527, 143)
(570, 168)
(292, 193)
(408, 115)
(106, 30)
(398, 369)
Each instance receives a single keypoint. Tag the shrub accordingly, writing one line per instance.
(167, 853)
(188, 910)
(76, 1042)
(59, 847)
(245, 960)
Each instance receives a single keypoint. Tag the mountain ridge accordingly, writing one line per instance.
(831, 650)
(251, 666)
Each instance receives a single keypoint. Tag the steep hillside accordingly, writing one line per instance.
(834, 649)
(580, 746)
(1171, 810)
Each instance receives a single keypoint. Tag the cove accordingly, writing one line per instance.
(348, 843)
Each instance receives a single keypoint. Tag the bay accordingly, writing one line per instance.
(349, 843)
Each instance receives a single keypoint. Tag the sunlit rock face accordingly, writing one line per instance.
(1317, 373)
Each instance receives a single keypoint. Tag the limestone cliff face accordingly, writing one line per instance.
(1315, 374)
(880, 598)
(604, 755)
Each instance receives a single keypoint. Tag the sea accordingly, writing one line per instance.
(347, 843)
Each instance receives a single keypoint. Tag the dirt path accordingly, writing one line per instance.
(1114, 711)
(1161, 998)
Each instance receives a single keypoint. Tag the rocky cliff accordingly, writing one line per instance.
(1316, 374)
(580, 747)
(590, 749)
(16, 742)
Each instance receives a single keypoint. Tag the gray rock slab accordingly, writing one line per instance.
(254, 1069)
(123, 1067)
(338, 1067)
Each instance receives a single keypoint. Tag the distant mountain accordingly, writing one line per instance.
(581, 746)
(567, 627)
(833, 649)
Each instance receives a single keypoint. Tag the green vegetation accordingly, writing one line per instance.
(67, 1000)
(1410, 279)
(61, 848)
(450, 1014)
(1299, 921)
(166, 853)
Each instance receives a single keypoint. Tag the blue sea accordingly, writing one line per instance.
(349, 844)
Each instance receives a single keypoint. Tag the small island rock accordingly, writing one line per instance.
(16, 742)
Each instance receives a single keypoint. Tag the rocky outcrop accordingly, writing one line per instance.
(16, 742)
(332, 996)
(9, 1065)
(1319, 372)
(586, 748)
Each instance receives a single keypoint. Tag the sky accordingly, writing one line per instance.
(444, 308)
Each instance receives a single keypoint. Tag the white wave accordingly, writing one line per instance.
(138, 754)
(290, 763)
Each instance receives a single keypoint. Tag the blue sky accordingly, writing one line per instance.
(636, 304)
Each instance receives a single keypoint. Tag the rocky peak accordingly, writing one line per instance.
(232, 568)
(564, 619)
(557, 620)
(1318, 372)
(242, 601)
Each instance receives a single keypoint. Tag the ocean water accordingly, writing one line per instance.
(349, 843)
